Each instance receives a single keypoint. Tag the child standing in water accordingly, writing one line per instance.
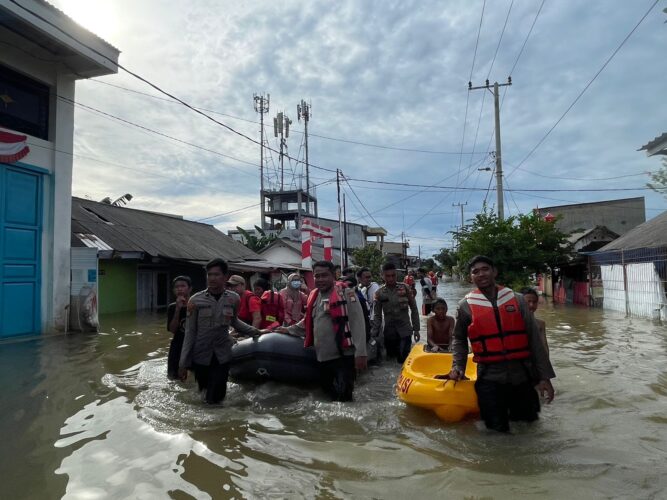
(439, 327)
(532, 301)
(176, 312)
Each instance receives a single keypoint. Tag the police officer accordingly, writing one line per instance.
(207, 349)
(401, 316)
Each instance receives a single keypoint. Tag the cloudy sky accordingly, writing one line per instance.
(392, 75)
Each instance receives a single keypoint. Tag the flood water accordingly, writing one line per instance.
(94, 416)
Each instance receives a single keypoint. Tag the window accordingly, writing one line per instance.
(24, 104)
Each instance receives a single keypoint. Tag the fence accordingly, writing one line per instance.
(633, 282)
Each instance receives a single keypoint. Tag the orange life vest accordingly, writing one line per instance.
(338, 312)
(497, 333)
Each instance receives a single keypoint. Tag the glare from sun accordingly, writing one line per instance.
(96, 16)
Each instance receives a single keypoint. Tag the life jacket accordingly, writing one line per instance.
(338, 313)
(273, 311)
(497, 333)
(409, 280)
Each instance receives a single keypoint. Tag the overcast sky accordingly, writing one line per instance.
(386, 73)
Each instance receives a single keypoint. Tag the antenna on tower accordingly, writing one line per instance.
(303, 111)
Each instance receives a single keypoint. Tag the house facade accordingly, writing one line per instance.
(43, 54)
(140, 252)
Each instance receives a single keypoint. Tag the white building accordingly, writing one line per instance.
(42, 54)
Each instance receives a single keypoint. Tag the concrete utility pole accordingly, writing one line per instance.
(499, 162)
(340, 218)
(261, 107)
(460, 205)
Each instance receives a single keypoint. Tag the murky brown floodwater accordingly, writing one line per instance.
(93, 416)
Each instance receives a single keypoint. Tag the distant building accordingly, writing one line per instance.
(42, 54)
(286, 251)
(619, 216)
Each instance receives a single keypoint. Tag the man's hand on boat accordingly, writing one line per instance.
(455, 374)
(280, 329)
(361, 363)
(546, 390)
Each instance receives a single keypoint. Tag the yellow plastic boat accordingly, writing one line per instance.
(417, 385)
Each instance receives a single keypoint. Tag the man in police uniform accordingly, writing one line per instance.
(401, 316)
(207, 349)
(511, 359)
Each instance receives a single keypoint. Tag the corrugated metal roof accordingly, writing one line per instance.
(658, 142)
(650, 234)
(129, 230)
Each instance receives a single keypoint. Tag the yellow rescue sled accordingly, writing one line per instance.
(423, 383)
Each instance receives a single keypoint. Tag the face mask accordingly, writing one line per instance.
(295, 284)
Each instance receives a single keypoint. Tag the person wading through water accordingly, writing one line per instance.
(507, 348)
(334, 324)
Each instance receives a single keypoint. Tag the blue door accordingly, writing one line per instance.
(20, 244)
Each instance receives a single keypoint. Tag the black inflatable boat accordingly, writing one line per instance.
(278, 357)
(274, 356)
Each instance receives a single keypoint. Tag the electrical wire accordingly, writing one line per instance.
(583, 91)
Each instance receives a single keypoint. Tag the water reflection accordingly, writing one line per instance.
(94, 416)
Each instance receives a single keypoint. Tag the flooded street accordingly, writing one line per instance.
(94, 416)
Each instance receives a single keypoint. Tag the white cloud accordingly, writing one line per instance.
(392, 73)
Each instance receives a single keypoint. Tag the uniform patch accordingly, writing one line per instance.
(191, 307)
(510, 309)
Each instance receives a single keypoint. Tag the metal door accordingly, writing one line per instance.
(20, 251)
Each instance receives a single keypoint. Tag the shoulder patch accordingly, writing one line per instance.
(191, 307)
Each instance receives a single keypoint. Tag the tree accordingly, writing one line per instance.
(519, 245)
(447, 259)
(659, 178)
(371, 257)
(255, 243)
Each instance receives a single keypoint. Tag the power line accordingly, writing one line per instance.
(515, 190)
(361, 202)
(153, 85)
(156, 132)
(472, 68)
(516, 61)
(251, 206)
(613, 54)
(319, 136)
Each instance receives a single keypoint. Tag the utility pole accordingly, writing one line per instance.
(344, 233)
(340, 218)
(499, 162)
(261, 107)
(303, 111)
(460, 205)
(281, 125)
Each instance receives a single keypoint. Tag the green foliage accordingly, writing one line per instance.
(659, 178)
(447, 259)
(519, 245)
(370, 257)
(429, 265)
(256, 243)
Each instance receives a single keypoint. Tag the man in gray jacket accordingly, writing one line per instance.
(511, 359)
(207, 349)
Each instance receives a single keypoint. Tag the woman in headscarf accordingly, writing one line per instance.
(294, 299)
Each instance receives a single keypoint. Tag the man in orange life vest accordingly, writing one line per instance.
(507, 348)
(334, 323)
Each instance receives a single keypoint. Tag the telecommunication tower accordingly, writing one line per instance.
(285, 199)
(261, 107)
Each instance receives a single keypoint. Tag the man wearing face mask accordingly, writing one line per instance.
(294, 299)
